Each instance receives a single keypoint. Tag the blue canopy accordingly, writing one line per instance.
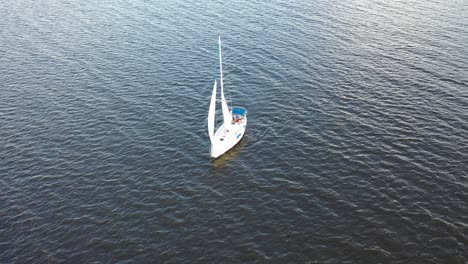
(239, 111)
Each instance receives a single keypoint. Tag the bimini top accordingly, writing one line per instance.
(239, 111)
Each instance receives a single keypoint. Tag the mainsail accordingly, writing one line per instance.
(211, 114)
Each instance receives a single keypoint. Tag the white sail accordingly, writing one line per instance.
(211, 114)
(226, 114)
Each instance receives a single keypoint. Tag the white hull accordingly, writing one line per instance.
(224, 141)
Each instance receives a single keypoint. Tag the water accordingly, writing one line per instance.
(356, 149)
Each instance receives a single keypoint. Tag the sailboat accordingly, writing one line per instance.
(231, 131)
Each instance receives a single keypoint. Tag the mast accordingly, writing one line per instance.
(226, 114)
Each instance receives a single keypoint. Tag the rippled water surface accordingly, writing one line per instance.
(356, 149)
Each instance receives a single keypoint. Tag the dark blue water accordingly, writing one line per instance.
(356, 149)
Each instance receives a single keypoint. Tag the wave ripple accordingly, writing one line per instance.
(356, 150)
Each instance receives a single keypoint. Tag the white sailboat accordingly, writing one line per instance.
(231, 131)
